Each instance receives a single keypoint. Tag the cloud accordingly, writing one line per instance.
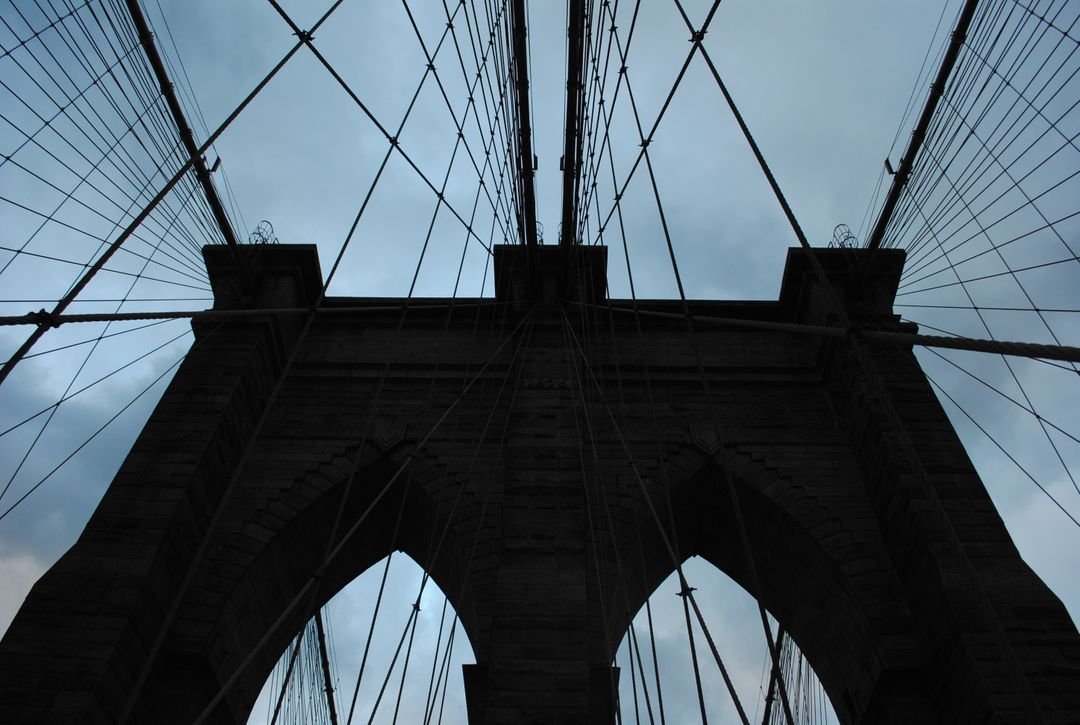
(53, 515)
(18, 572)
(1050, 544)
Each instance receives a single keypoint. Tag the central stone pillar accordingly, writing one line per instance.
(547, 654)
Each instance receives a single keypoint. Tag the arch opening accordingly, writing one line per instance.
(657, 670)
(830, 614)
(411, 658)
(265, 607)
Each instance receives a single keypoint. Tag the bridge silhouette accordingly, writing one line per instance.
(550, 454)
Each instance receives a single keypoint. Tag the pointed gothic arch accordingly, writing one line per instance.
(657, 664)
(824, 585)
(384, 654)
(258, 587)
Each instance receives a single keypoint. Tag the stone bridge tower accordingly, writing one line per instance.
(536, 454)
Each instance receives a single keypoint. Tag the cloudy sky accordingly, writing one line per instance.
(823, 86)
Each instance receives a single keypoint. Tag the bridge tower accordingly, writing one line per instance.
(549, 457)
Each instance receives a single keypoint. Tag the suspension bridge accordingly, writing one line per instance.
(550, 436)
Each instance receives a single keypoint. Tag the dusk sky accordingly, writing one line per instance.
(826, 88)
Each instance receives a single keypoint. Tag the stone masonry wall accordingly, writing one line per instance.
(538, 461)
